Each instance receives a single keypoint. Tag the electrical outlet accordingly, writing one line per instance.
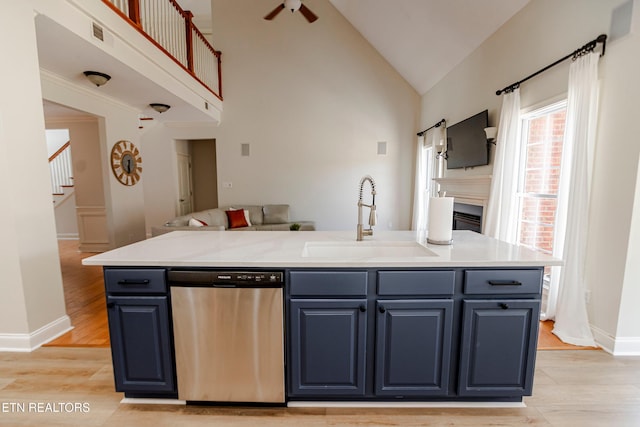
(227, 185)
(587, 296)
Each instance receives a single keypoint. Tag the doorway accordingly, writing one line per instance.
(197, 175)
(185, 184)
(81, 226)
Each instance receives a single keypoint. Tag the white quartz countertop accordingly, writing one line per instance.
(294, 249)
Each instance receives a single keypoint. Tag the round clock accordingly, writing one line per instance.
(125, 162)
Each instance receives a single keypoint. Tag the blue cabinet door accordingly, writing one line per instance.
(413, 346)
(141, 344)
(498, 347)
(327, 345)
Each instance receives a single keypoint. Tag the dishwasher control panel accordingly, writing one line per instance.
(225, 278)
(249, 276)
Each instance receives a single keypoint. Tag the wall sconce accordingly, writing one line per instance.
(491, 133)
(160, 108)
(97, 78)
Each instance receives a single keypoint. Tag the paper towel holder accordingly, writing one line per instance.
(440, 238)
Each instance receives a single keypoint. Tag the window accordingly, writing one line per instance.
(542, 142)
(543, 135)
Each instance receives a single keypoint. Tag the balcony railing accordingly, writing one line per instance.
(171, 29)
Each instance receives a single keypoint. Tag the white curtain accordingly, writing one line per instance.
(572, 324)
(420, 196)
(424, 185)
(502, 210)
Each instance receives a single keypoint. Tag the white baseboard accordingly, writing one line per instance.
(618, 346)
(30, 342)
(68, 236)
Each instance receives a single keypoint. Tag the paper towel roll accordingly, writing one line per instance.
(440, 220)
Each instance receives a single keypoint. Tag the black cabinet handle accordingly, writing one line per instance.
(504, 306)
(504, 283)
(363, 308)
(131, 282)
(381, 309)
(111, 304)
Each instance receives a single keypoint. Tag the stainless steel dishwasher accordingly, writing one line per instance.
(229, 335)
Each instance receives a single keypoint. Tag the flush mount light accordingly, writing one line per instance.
(97, 78)
(160, 108)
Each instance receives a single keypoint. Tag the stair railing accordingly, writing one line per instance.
(165, 24)
(60, 167)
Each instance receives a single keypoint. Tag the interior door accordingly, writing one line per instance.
(185, 188)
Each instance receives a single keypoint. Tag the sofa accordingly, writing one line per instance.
(236, 217)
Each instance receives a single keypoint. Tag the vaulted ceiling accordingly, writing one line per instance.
(425, 39)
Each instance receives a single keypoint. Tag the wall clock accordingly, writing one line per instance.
(126, 162)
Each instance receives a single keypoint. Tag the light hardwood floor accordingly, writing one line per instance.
(572, 388)
(84, 299)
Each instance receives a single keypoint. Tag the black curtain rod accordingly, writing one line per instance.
(437, 125)
(602, 38)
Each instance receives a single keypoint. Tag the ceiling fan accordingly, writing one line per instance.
(292, 5)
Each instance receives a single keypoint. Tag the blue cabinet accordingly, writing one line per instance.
(399, 348)
(140, 332)
(327, 333)
(499, 347)
(327, 341)
(500, 314)
(413, 345)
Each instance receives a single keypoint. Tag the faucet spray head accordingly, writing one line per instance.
(373, 216)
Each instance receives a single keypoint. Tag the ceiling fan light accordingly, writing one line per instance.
(97, 78)
(160, 108)
(292, 5)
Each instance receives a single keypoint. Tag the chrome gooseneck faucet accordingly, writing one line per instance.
(373, 219)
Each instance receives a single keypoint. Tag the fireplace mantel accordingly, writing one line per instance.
(473, 190)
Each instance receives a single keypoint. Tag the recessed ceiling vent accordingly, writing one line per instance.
(98, 32)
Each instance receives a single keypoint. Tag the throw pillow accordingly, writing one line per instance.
(246, 215)
(196, 223)
(236, 219)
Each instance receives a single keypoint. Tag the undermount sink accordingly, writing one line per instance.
(365, 249)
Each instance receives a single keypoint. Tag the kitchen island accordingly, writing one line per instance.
(386, 319)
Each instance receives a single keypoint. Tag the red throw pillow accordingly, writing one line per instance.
(236, 219)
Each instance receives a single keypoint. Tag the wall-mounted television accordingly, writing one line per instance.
(467, 142)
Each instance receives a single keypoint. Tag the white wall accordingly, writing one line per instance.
(614, 238)
(160, 144)
(87, 168)
(56, 138)
(32, 307)
(312, 100)
(123, 205)
(543, 31)
(65, 213)
(629, 313)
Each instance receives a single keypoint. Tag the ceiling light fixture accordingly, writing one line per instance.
(292, 5)
(160, 108)
(97, 78)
